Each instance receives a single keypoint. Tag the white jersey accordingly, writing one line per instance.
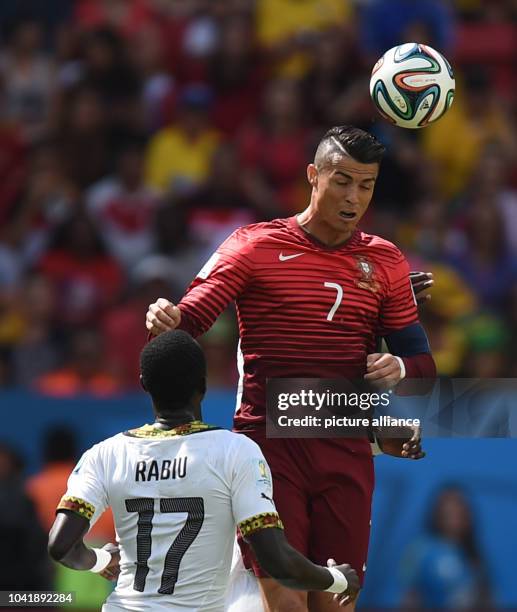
(176, 497)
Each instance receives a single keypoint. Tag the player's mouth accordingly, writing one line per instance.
(349, 216)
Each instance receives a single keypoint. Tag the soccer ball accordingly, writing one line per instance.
(412, 85)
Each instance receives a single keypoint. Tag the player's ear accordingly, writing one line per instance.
(312, 175)
(142, 383)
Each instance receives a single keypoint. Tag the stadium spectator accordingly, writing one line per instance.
(24, 543)
(12, 161)
(45, 488)
(123, 208)
(178, 156)
(127, 18)
(476, 119)
(49, 199)
(288, 29)
(220, 204)
(106, 69)
(274, 150)
(122, 325)
(11, 331)
(334, 89)
(28, 78)
(85, 370)
(446, 568)
(82, 136)
(159, 86)
(87, 280)
(236, 74)
(386, 24)
(481, 255)
(492, 179)
(40, 347)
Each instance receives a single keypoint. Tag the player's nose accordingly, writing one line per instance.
(353, 196)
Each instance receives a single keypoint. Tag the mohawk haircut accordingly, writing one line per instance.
(173, 368)
(347, 140)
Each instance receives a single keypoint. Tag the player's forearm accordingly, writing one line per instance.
(285, 564)
(201, 307)
(296, 572)
(78, 557)
(65, 542)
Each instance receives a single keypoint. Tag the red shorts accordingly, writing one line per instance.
(322, 490)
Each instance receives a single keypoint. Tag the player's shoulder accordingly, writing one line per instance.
(104, 447)
(237, 444)
(258, 232)
(381, 250)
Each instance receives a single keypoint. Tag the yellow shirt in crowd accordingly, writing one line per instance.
(174, 160)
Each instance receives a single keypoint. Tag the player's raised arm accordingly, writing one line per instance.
(258, 521)
(83, 502)
(409, 352)
(220, 281)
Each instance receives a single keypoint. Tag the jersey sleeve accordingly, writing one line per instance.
(252, 491)
(399, 307)
(86, 493)
(221, 280)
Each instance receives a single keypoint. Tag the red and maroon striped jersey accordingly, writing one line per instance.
(305, 310)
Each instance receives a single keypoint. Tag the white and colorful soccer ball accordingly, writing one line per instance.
(412, 85)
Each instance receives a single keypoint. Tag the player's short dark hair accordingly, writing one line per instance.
(360, 145)
(173, 369)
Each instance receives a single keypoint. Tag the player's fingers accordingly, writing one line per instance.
(162, 315)
(421, 287)
(420, 455)
(417, 435)
(387, 371)
(342, 600)
(372, 358)
(417, 276)
(170, 309)
(154, 325)
(381, 360)
(331, 562)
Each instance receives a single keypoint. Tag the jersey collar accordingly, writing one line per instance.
(354, 239)
(151, 431)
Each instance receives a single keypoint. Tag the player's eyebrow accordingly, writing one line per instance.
(349, 176)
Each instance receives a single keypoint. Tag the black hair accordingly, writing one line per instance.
(173, 369)
(349, 140)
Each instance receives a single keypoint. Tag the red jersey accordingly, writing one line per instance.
(305, 310)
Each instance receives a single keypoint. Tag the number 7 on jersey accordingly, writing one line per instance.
(339, 298)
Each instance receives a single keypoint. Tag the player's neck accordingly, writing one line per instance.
(320, 230)
(178, 417)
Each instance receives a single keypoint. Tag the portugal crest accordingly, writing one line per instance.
(367, 275)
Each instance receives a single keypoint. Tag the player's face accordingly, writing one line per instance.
(343, 190)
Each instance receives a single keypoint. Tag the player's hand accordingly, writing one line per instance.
(408, 447)
(382, 370)
(112, 570)
(422, 282)
(354, 586)
(162, 316)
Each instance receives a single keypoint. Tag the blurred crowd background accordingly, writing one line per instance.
(135, 135)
